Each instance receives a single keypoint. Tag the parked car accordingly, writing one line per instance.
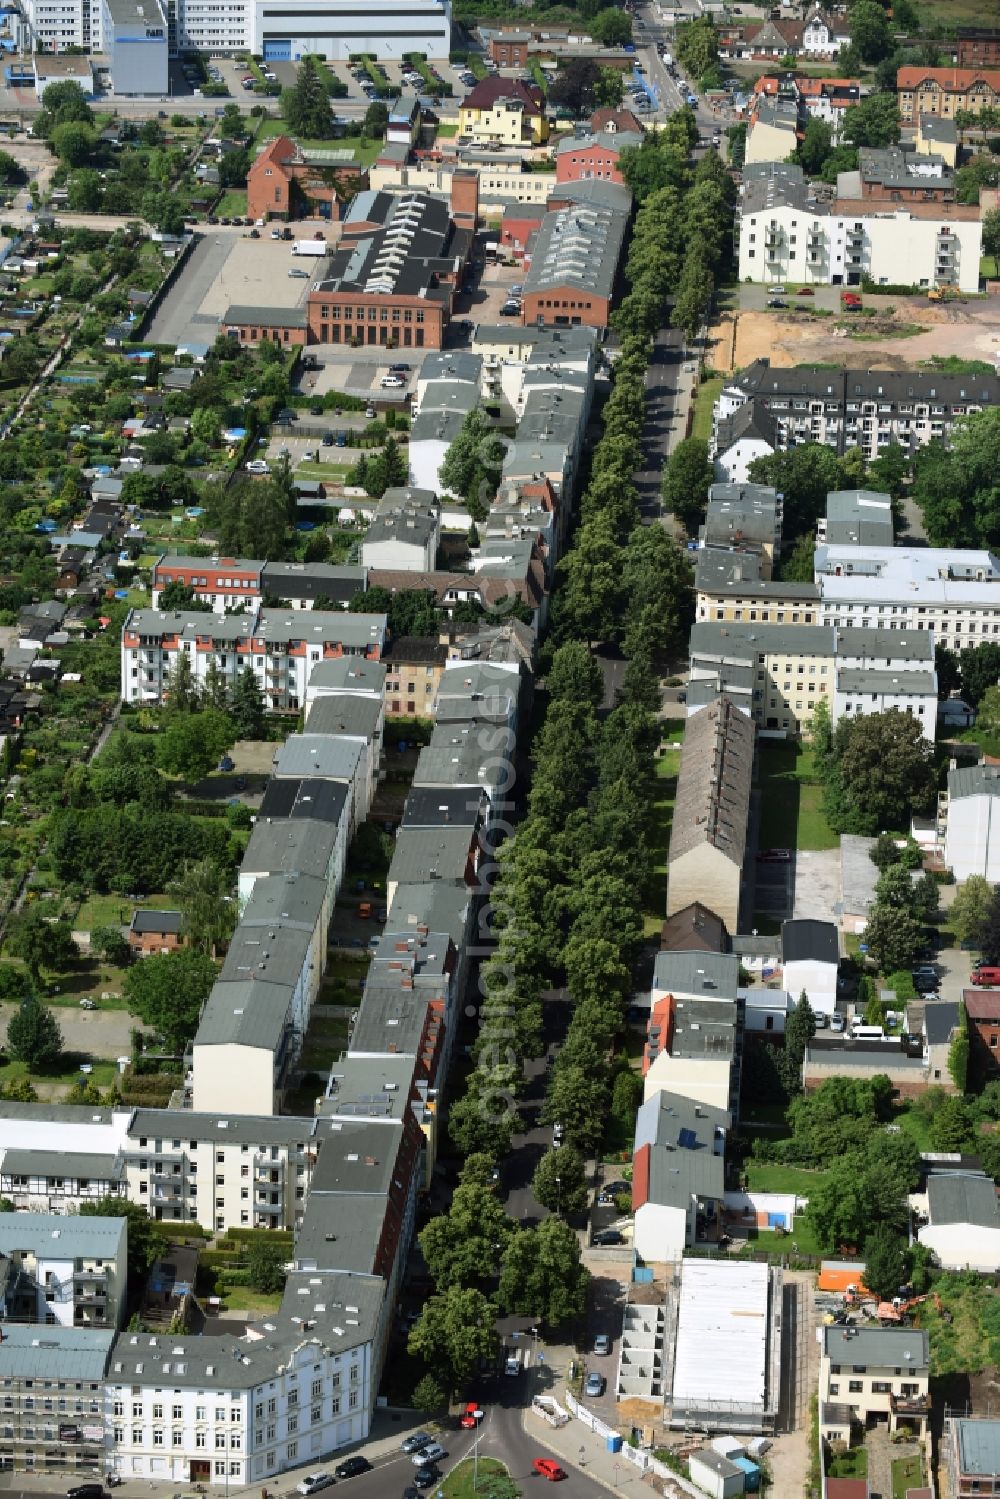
(425, 1476)
(805, 291)
(298, 275)
(608, 1236)
(548, 1468)
(602, 1343)
(778, 291)
(432, 1453)
(353, 1467)
(596, 1384)
(511, 309)
(776, 302)
(775, 856)
(391, 382)
(415, 1442)
(399, 369)
(87, 1004)
(838, 1024)
(471, 1416)
(86, 1491)
(311, 1484)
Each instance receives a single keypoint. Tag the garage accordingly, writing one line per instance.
(277, 49)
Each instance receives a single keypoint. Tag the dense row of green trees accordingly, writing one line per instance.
(957, 486)
(878, 770)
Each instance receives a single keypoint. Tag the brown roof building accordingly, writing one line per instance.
(708, 836)
(944, 91)
(287, 182)
(694, 929)
(982, 1007)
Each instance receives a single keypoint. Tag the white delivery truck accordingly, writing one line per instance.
(310, 247)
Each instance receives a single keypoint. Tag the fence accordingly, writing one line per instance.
(674, 1483)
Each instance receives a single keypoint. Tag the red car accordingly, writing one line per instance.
(471, 1416)
(805, 291)
(548, 1468)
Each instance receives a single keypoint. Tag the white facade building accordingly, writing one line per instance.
(786, 234)
(972, 829)
(285, 30)
(955, 594)
(64, 1271)
(280, 646)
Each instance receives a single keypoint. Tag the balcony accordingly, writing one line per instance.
(271, 1209)
(910, 1405)
(90, 1277)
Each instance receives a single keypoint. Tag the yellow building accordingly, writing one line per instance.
(944, 91)
(938, 137)
(504, 111)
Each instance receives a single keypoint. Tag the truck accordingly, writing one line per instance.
(310, 247)
(666, 59)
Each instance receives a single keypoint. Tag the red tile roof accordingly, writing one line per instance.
(952, 80)
(982, 1004)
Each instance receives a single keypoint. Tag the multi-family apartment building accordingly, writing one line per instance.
(63, 1270)
(220, 1168)
(945, 91)
(280, 646)
(52, 1399)
(848, 408)
(826, 99)
(777, 674)
(953, 594)
(235, 583)
(786, 231)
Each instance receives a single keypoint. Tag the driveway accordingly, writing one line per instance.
(817, 884)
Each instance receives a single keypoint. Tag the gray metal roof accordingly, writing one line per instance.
(240, 314)
(900, 684)
(885, 646)
(376, 1088)
(63, 1236)
(974, 780)
(300, 844)
(310, 798)
(452, 365)
(962, 1199)
(432, 807)
(577, 247)
(357, 1157)
(63, 1165)
(245, 1013)
(457, 765)
(391, 1020)
(315, 627)
(709, 974)
(434, 853)
(318, 755)
(808, 941)
(341, 1233)
(148, 920)
(407, 527)
(349, 673)
(704, 1028)
(940, 1020)
(978, 1439)
(347, 713)
(182, 1124)
(32, 1351)
(431, 904)
(746, 639)
(877, 1347)
(664, 1115)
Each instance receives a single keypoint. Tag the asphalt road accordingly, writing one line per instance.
(535, 1139)
(663, 386)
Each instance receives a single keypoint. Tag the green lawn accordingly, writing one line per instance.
(907, 1473)
(459, 1482)
(660, 794)
(705, 399)
(66, 1072)
(850, 1464)
(765, 1176)
(365, 151)
(989, 267)
(791, 799)
(232, 202)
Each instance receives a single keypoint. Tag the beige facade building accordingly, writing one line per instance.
(708, 838)
(873, 1373)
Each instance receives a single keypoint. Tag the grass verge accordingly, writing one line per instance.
(463, 1482)
(765, 1176)
(705, 398)
(661, 792)
(907, 1473)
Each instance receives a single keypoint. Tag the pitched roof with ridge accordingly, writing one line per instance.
(713, 787)
(489, 92)
(963, 1199)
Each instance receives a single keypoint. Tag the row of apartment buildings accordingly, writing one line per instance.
(764, 409)
(235, 1410)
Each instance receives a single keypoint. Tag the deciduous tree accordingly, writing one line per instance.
(168, 990)
(33, 1034)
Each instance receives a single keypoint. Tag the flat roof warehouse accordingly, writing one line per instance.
(727, 1345)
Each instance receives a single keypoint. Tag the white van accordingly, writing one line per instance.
(867, 1032)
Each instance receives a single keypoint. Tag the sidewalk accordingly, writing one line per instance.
(575, 1444)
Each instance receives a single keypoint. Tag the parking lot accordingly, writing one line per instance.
(223, 269)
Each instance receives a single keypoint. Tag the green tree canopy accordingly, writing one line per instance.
(456, 1332)
(33, 1035)
(168, 991)
(542, 1275)
(41, 943)
(306, 105)
(686, 479)
(189, 744)
(560, 1181)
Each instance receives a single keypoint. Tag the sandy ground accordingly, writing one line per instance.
(969, 329)
(95, 1033)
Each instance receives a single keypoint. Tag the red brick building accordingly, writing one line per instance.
(574, 268)
(594, 157)
(614, 120)
(391, 280)
(518, 224)
(982, 1007)
(154, 932)
(977, 47)
(509, 49)
(286, 182)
